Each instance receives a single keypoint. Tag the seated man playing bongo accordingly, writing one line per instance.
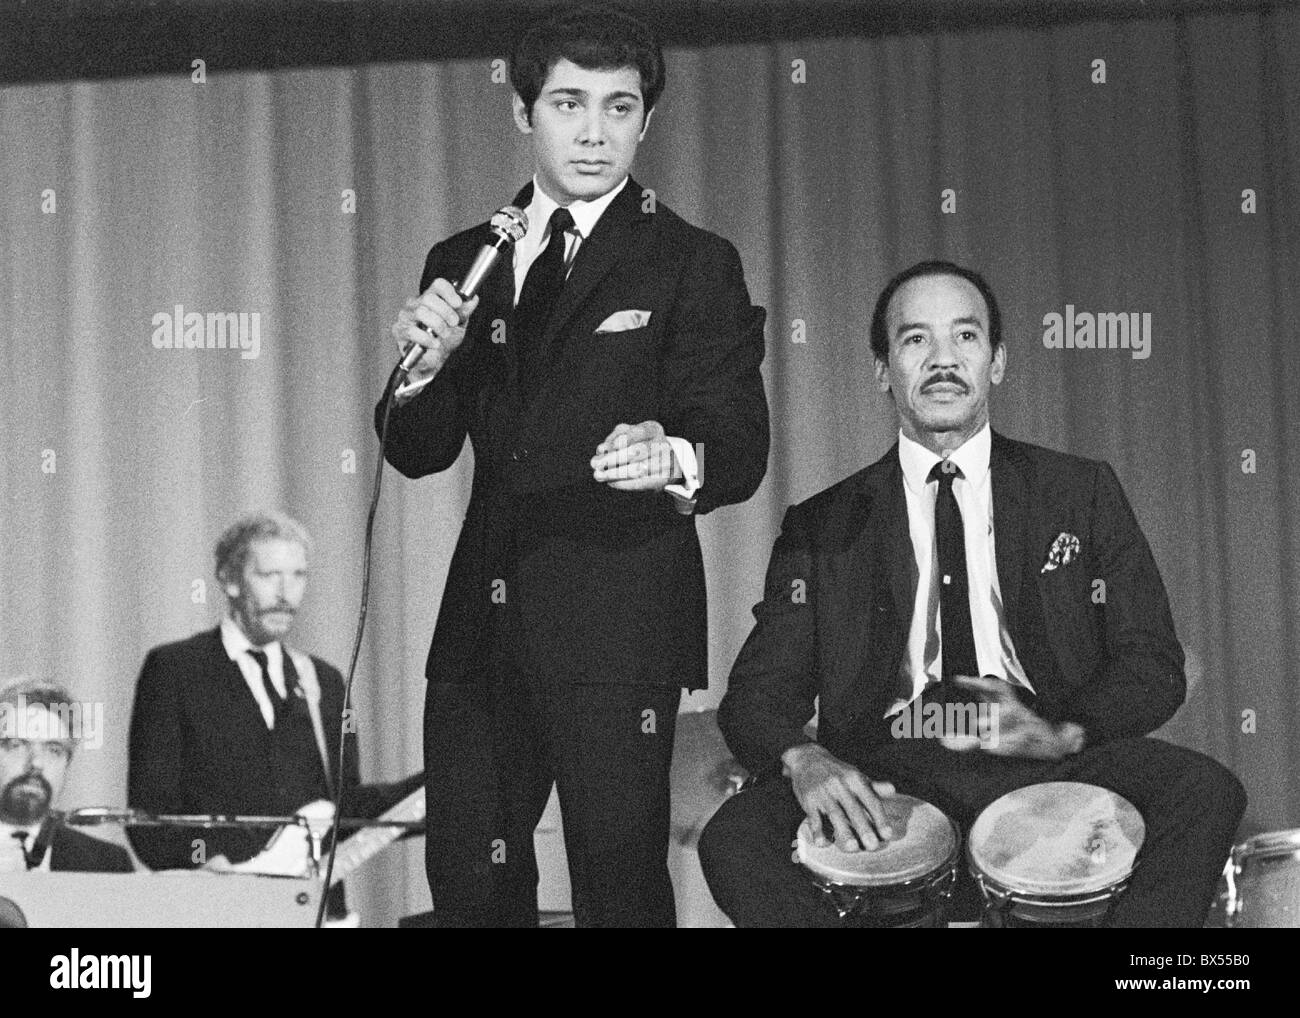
(889, 603)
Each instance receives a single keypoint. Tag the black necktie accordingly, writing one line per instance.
(291, 725)
(957, 636)
(21, 838)
(537, 298)
(277, 701)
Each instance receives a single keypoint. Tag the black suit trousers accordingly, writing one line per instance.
(1191, 806)
(493, 751)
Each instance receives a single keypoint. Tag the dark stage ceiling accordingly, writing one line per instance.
(44, 40)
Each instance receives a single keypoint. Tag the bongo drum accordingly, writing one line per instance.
(1054, 854)
(1264, 882)
(905, 883)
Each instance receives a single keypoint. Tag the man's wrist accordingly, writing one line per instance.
(792, 757)
(1072, 737)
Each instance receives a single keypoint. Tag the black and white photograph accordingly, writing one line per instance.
(681, 464)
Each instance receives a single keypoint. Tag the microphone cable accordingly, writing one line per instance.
(506, 227)
(389, 392)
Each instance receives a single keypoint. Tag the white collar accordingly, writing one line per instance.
(8, 830)
(585, 213)
(972, 457)
(237, 643)
(33, 832)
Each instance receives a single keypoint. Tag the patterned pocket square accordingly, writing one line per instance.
(622, 321)
(1062, 553)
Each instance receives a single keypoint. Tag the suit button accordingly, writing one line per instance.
(519, 455)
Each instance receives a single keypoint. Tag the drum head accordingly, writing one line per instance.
(1057, 838)
(924, 839)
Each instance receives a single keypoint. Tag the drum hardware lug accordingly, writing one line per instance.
(997, 902)
(947, 884)
(995, 895)
(830, 894)
(1232, 899)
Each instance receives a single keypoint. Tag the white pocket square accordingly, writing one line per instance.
(1062, 553)
(621, 321)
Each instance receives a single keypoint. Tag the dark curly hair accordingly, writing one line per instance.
(597, 36)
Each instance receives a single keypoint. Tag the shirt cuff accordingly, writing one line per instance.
(684, 493)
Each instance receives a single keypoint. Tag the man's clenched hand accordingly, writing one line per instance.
(636, 457)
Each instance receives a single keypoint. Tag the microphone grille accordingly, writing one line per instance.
(510, 222)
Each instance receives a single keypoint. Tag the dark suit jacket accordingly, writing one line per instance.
(1116, 668)
(74, 852)
(199, 744)
(610, 584)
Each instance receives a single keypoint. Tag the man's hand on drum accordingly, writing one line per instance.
(828, 788)
(436, 321)
(636, 457)
(1012, 729)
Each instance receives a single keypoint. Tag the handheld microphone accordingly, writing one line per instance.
(506, 228)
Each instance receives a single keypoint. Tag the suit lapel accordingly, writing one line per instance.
(498, 294)
(898, 543)
(61, 852)
(609, 243)
(499, 302)
(1010, 526)
(331, 713)
(48, 840)
(242, 709)
(876, 573)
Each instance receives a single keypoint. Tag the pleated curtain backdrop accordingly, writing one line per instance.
(830, 164)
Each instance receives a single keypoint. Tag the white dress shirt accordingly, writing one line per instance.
(973, 490)
(585, 216)
(10, 844)
(238, 647)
